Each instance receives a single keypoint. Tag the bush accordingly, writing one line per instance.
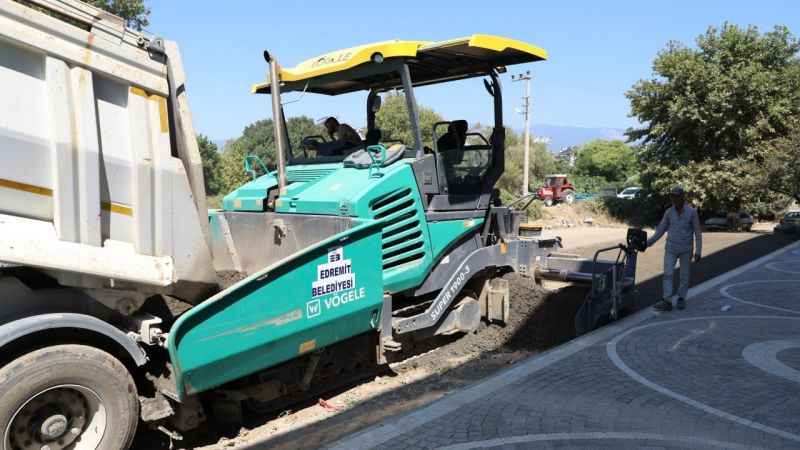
(534, 209)
(613, 160)
(636, 212)
(585, 184)
(214, 201)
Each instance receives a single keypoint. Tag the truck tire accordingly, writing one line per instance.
(67, 397)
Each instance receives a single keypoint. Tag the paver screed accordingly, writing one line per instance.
(724, 373)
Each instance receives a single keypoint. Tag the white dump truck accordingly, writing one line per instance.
(101, 206)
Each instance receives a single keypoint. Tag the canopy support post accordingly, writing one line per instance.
(370, 112)
(411, 103)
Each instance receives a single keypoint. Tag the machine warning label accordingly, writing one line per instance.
(334, 276)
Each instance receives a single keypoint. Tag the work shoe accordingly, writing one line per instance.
(663, 305)
(681, 303)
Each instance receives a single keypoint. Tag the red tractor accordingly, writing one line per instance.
(556, 189)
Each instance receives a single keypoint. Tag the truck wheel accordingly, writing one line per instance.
(569, 197)
(67, 397)
(548, 201)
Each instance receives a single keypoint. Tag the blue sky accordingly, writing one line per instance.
(597, 50)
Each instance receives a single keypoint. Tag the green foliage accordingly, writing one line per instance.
(394, 122)
(300, 127)
(779, 155)
(715, 117)
(541, 164)
(644, 211)
(211, 160)
(613, 161)
(258, 139)
(134, 12)
(587, 184)
(728, 184)
(563, 166)
(737, 89)
(535, 208)
(231, 167)
(214, 201)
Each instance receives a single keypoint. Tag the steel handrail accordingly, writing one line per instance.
(620, 247)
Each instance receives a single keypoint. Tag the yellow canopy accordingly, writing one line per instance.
(429, 62)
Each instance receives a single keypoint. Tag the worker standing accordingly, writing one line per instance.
(681, 224)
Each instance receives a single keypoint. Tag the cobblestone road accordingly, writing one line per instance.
(725, 373)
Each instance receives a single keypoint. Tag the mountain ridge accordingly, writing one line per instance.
(561, 136)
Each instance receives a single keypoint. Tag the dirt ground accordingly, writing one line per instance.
(578, 215)
(578, 237)
(430, 370)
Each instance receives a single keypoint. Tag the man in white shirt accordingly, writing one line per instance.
(681, 224)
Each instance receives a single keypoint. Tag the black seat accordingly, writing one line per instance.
(451, 144)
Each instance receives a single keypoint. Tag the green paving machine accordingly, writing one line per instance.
(347, 246)
(350, 245)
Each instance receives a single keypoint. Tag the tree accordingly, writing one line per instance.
(542, 163)
(211, 159)
(614, 160)
(134, 12)
(258, 139)
(781, 162)
(709, 111)
(394, 121)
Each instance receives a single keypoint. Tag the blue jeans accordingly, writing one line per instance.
(670, 259)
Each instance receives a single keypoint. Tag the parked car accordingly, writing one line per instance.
(630, 193)
(721, 221)
(790, 223)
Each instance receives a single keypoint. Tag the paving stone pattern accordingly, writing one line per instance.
(674, 380)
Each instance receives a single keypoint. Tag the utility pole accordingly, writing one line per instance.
(526, 103)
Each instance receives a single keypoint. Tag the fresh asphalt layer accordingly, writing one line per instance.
(724, 373)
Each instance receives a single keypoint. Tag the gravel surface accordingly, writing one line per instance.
(228, 278)
(528, 302)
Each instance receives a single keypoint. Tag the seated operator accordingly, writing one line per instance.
(343, 137)
(455, 137)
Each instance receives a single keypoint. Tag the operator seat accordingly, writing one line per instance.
(451, 153)
(451, 144)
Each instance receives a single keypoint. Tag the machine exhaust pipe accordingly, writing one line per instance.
(277, 121)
